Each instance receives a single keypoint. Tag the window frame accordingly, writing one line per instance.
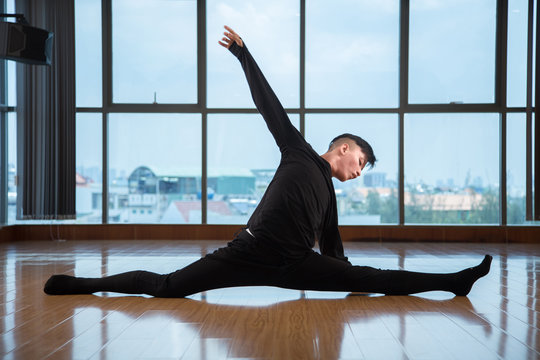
(498, 106)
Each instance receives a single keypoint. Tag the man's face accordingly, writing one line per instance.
(351, 164)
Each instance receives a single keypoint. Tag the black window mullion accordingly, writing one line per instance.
(202, 91)
(528, 136)
(403, 102)
(302, 104)
(536, 209)
(500, 99)
(3, 135)
(501, 53)
(106, 82)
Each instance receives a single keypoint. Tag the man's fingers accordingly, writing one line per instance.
(225, 43)
(230, 30)
(231, 36)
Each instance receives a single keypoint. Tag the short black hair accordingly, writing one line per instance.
(364, 145)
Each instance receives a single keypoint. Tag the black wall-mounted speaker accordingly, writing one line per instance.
(25, 43)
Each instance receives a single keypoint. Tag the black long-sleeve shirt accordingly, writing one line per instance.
(299, 204)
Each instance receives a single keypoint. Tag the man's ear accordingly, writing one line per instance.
(344, 148)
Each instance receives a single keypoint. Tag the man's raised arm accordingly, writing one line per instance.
(264, 98)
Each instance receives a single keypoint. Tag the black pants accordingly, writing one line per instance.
(250, 264)
(315, 272)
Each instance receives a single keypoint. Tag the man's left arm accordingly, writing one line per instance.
(330, 245)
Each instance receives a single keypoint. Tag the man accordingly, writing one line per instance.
(299, 207)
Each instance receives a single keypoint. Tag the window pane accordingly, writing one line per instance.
(155, 168)
(88, 53)
(372, 199)
(150, 57)
(352, 53)
(452, 168)
(517, 53)
(452, 51)
(242, 160)
(89, 167)
(515, 168)
(11, 83)
(271, 32)
(12, 167)
(534, 56)
(11, 65)
(533, 157)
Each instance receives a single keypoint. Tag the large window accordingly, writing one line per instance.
(12, 168)
(88, 89)
(10, 66)
(452, 168)
(271, 31)
(352, 54)
(154, 51)
(8, 118)
(155, 168)
(517, 53)
(165, 115)
(12, 84)
(515, 168)
(88, 164)
(452, 51)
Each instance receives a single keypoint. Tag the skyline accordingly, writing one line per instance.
(96, 155)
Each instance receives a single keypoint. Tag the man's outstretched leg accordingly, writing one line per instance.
(204, 274)
(459, 283)
(319, 272)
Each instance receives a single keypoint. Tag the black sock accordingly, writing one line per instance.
(133, 282)
(65, 284)
(464, 280)
(401, 282)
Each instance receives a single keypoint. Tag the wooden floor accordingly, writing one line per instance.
(499, 318)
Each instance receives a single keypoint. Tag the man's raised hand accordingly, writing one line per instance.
(229, 37)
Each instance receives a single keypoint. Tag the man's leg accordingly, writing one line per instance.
(319, 272)
(205, 274)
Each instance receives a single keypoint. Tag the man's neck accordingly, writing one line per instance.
(330, 160)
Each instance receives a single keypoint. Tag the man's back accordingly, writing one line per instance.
(299, 205)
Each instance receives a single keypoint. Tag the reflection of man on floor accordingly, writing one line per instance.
(298, 207)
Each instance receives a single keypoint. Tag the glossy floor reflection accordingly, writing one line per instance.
(499, 318)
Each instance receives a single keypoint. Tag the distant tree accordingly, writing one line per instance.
(389, 208)
(515, 210)
(386, 207)
(487, 210)
(373, 203)
(423, 211)
(419, 211)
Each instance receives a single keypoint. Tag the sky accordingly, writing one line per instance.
(352, 60)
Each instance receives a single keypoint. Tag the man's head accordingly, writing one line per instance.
(348, 154)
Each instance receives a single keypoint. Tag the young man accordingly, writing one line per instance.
(299, 207)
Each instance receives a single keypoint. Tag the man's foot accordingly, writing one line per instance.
(64, 285)
(465, 279)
